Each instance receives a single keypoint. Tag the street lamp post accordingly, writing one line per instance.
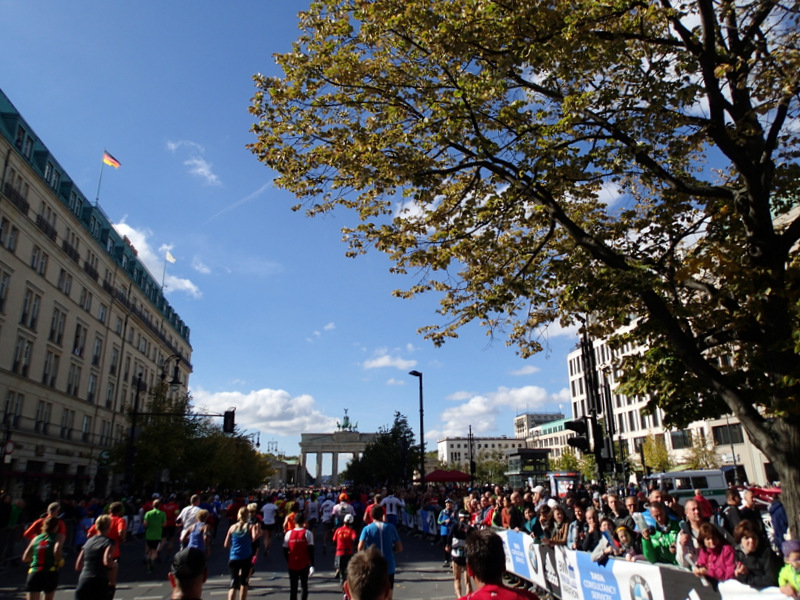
(421, 431)
(131, 438)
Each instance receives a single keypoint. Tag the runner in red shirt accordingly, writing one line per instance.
(172, 509)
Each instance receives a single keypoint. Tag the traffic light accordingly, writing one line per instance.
(228, 421)
(580, 441)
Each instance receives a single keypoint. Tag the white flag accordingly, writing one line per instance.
(169, 257)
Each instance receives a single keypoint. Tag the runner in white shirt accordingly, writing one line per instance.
(392, 505)
(326, 509)
(188, 516)
(268, 511)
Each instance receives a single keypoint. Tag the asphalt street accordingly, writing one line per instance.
(420, 575)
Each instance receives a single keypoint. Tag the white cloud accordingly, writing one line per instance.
(393, 381)
(482, 411)
(526, 370)
(198, 165)
(270, 411)
(384, 359)
(199, 266)
(154, 261)
(330, 326)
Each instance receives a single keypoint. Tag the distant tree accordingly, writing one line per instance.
(390, 459)
(491, 467)
(702, 454)
(568, 461)
(656, 455)
(587, 465)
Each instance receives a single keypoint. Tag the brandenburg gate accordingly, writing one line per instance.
(345, 440)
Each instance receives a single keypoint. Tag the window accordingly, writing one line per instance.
(43, 410)
(105, 433)
(727, 434)
(79, 342)
(5, 280)
(27, 147)
(75, 203)
(22, 357)
(92, 388)
(86, 300)
(39, 260)
(101, 313)
(50, 370)
(65, 281)
(73, 380)
(97, 351)
(67, 423)
(118, 326)
(112, 369)
(110, 396)
(13, 410)
(127, 368)
(30, 309)
(57, 326)
(11, 243)
(681, 439)
(48, 171)
(86, 428)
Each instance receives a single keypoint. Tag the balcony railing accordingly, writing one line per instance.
(71, 251)
(46, 227)
(16, 198)
(91, 271)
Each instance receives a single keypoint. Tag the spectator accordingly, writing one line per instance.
(515, 514)
(187, 574)
(750, 511)
(715, 560)
(367, 576)
(593, 533)
(789, 576)
(486, 563)
(658, 541)
(577, 528)
(629, 542)
(780, 523)
(731, 516)
(618, 513)
(706, 509)
(688, 546)
(756, 564)
(560, 529)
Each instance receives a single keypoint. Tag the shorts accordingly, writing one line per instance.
(168, 532)
(42, 581)
(461, 561)
(153, 544)
(240, 572)
(91, 588)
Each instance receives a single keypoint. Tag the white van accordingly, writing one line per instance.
(682, 484)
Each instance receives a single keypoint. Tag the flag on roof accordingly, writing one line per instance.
(110, 160)
(169, 257)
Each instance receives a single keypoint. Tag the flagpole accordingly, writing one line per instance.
(99, 181)
(164, 274)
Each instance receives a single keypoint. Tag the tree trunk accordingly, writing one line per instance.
(782, 447)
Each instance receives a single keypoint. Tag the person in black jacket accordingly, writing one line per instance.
(593, 535)
(756, 564)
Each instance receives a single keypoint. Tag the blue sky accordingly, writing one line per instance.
(284, 326)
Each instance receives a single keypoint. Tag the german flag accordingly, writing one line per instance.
(110, 160)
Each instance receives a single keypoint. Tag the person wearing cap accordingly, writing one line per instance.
(486, 564)
(339, 511)
(383, 535)
(455, 546)
(187, 574)
(344, 539)
(447, 518)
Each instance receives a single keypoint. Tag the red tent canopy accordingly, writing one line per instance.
(440, 476)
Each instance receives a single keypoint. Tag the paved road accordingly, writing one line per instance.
(419, 575)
